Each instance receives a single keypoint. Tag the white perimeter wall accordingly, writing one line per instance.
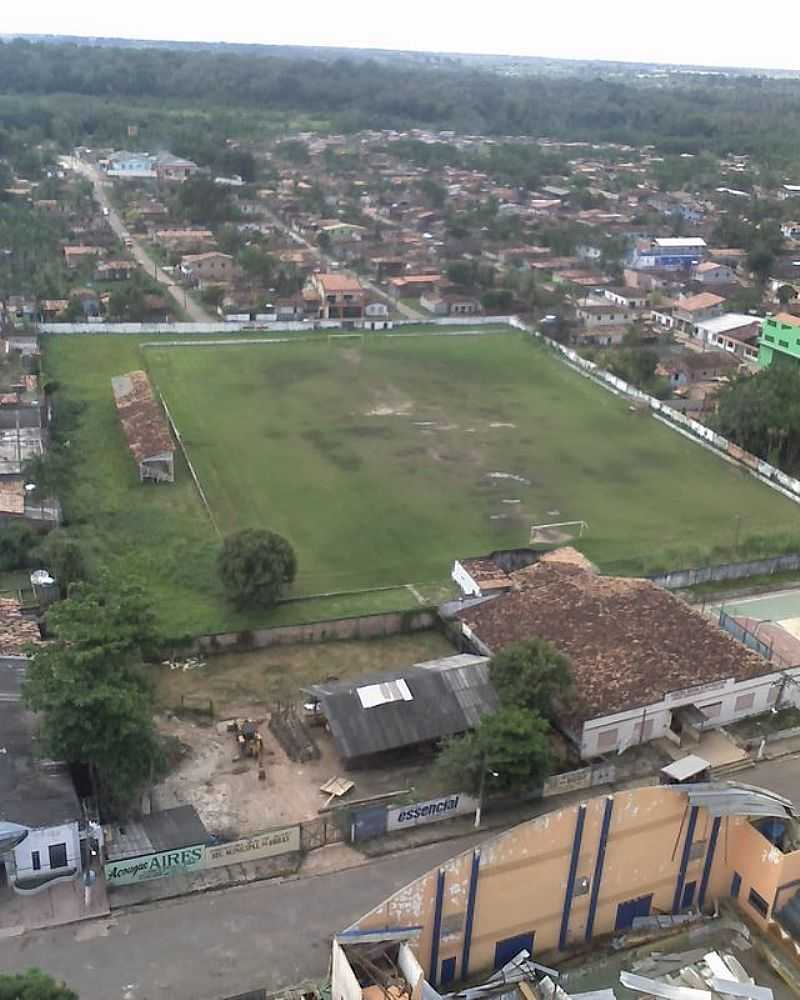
(40, 839)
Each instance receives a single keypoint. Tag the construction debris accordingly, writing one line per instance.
(335, 788)
(702, 977)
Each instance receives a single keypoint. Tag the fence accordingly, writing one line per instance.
(679, 578)
(369, 822)
(744, 635)
(358, 627)
(679, 422)
(126, 329)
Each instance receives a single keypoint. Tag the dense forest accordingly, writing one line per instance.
(676, 113)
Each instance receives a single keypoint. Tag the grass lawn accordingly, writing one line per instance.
(377, 459)
(268, 674)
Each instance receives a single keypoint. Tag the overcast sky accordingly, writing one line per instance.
(736, 34)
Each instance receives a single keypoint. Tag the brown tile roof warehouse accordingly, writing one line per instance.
(629, 641)
(142, 420)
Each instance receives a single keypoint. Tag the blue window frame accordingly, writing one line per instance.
(736, 885)
(448, 973)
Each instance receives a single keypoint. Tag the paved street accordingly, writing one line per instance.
(265, 934)
(202, 947)
(194, 311)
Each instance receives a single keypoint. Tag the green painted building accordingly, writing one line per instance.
(779, 342)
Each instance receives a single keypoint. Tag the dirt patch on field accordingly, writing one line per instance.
(389, 401)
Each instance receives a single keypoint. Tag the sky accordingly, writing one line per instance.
(683, 31)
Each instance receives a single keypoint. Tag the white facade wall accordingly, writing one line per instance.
(727, 701)
(592, 320)
(40, 839)
(461, 577)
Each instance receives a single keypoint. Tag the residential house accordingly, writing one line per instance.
(169, 168)
(290, 309)
(693, 309)
(114, 270)
(414, 284)
(736, 333)
(74, 256)
(710, 273)
(699, 366)
(632, 647)
(89, 301)
(36, 795)
(339, 296)
(376, 315)
(51, 309)
(130, 166)
(629, 298)
(184, 240)
(450, 303)
(780, 340)
(670, 253)
(213, 267)
(594, 314)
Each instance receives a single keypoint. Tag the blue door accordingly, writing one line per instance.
(448, 971)
(736, 885)
(688, 895)
(509, 948)
(631, 908)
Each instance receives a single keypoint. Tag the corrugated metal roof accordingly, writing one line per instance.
(726, 798)
(449, 696)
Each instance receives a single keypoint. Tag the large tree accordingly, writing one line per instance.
(509, 751)
(256, 566)
(532, 675)
(761, 413)
(62, 556)
(91, 689)
(33, 985)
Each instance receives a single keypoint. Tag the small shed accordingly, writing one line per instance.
(406, 708)
(145, 427)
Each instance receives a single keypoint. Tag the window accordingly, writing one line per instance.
(36, 861)
(759, 904)
(58, 855)
(581, 885)
(607, 739)
(744, 701)
(697, 850)
(452, 924)
(783, 343)
(736, 885)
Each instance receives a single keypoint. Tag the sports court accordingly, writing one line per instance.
(773, 618)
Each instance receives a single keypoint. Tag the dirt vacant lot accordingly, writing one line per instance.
(226, 792)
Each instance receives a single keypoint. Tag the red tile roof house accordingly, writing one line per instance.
(646, 665)
(694, 309)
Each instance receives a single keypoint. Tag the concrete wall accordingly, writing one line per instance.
(363, 627)
(679, 578)
(40, 840)
(615, 849)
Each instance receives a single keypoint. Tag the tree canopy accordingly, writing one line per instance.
(510, 748)
(761, 413)
(256, 566)
(33, 985)
(532, 675)
(89, 685)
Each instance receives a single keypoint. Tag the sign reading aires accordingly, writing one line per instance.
(263, 845)
(430, 812)
(149, 866)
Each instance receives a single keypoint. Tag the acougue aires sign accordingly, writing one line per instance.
(200, 856)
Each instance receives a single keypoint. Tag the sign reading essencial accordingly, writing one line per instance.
(150, 866)
(430, 812)
(263, 845)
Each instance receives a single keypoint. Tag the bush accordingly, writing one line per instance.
(17, 541)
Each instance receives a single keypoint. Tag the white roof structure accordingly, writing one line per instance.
(728, 321)
(674, 242)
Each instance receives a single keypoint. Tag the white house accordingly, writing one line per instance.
(710, 274)
(633, 649)
(36, 795)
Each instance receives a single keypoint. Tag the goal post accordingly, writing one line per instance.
(556, 532)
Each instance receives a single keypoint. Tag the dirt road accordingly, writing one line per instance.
(194, 311)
